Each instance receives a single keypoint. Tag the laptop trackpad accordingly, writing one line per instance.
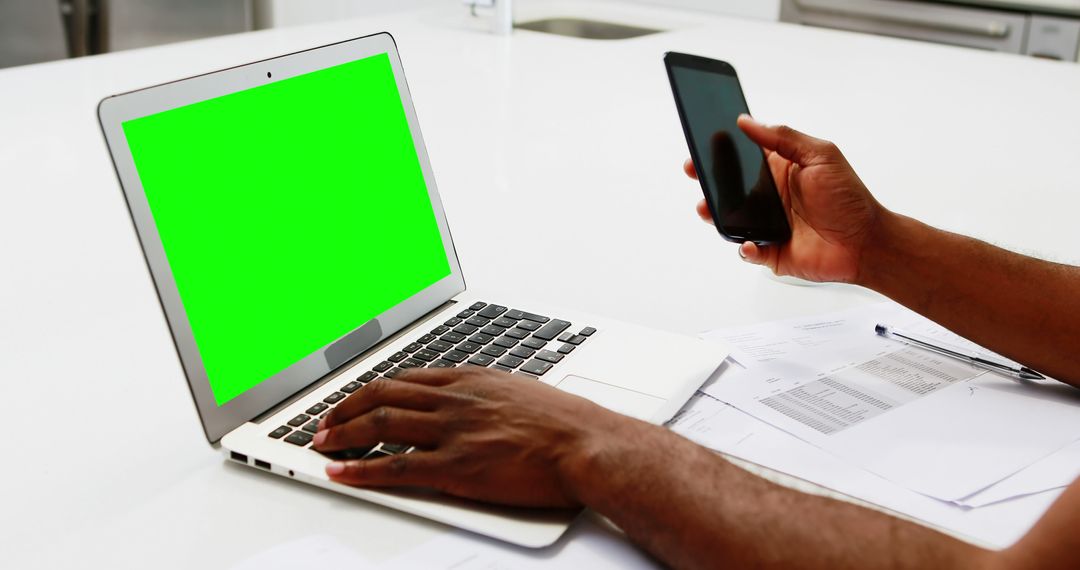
(621, 400)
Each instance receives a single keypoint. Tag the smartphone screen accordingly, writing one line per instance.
(738, 186)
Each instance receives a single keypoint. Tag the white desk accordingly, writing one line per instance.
(575, 144)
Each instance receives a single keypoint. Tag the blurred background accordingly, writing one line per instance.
(33, 31)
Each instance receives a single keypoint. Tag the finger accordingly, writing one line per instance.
(787, 142)
(778, 165)
(704, 213)
(416, 469)
(385, 423)
(751, 252)
(384, 392)
(688, 168)
(430, 376)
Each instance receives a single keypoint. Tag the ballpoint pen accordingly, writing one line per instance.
(1021, 372)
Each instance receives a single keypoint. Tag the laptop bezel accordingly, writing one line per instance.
(115, 110)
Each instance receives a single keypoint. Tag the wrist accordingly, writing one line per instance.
(597, 458)
(884, 247)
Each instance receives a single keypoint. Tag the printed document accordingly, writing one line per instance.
(938, 426)
(1054, 472)
(996, 525)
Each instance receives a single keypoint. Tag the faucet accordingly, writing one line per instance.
(503, 22)
(504, 17)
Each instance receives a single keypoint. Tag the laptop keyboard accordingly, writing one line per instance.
(485, 335)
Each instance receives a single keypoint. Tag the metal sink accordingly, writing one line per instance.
(588, 29)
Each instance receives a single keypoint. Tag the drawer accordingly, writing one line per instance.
(970, 27)
(1054, 38)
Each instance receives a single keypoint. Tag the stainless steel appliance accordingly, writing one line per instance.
(41, 30)
(31, 31)
(1047, 28)
(140, 23)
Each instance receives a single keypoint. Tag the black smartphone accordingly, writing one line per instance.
(735, 177)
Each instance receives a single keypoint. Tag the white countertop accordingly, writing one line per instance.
(573, 144)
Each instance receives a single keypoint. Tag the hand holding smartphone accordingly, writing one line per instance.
(735, 177)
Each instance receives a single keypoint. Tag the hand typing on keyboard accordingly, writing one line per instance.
(482, 434)
(479, 433)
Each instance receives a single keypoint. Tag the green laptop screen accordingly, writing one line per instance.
(290, 214)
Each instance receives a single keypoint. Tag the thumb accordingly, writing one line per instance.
(752, 253)
(793, 145)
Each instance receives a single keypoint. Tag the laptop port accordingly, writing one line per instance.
(238, 457)
(262, 464)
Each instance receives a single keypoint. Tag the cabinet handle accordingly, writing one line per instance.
(888, 14)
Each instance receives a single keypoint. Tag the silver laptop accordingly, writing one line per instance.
(292, 226)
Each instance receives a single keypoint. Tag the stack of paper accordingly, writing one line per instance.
(892, 424)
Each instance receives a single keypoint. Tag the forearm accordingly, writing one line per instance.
(692, 509)
(1024, 308)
